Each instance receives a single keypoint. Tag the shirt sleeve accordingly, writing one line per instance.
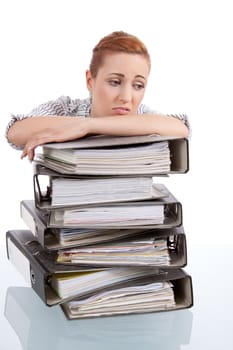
(143, 109)
(51, 108)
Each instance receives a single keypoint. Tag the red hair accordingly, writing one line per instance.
(114, 43)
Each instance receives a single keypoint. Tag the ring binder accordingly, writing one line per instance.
(43, 268)
(178, 153)
(100, 190)
(52, 237)
(183, 293)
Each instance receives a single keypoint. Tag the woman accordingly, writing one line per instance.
(116, 80)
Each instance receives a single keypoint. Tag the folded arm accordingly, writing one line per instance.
(34, 131)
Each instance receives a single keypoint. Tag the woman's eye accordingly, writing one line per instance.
(114, 82)
(138, 86)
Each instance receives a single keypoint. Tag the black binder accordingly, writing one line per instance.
(39, 266)
(178, 148)
(43, 178)
(172, 209)
(49, 239)
(182, 287)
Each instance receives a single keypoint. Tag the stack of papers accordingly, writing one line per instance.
(151, 158)
(118, 215)
(140, 298)
(143, 251)
(79, 283)
(72, 191)
(83, 236)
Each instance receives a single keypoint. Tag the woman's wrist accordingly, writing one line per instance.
(93, 125)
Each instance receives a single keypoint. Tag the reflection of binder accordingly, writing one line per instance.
(39, 327)
(178, 149)
(49, 239)
(38, 266)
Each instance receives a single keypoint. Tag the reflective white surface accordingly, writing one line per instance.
(26, 323)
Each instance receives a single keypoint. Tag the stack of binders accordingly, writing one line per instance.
(104, 238)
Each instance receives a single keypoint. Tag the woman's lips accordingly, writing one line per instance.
(121, 110)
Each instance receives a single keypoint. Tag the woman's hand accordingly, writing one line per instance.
(73, 129)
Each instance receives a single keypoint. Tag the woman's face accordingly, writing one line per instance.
(119, 86)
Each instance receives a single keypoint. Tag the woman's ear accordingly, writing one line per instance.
(89, 80)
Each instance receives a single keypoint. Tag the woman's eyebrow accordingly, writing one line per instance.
(140, 76)
(118, 74)
(122, 75)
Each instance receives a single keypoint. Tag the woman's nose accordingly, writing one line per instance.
(125, 94)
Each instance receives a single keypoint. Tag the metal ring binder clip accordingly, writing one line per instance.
(33, 278)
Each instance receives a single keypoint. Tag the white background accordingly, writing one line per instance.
(46, 47)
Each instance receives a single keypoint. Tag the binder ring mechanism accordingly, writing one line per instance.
(41, 196)
(32, 276)
(42, 189)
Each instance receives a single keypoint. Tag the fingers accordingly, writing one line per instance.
(28, 152)
(35, 141)
(59, 134)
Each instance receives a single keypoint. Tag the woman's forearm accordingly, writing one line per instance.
(138, 125)
(23, 130)
(40, 130)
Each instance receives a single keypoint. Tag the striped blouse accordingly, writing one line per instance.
(65, 106)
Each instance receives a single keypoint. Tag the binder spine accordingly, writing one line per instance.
(29, 219)
(179, 153)
(18, 259)
(18, 252)
(32, 220)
